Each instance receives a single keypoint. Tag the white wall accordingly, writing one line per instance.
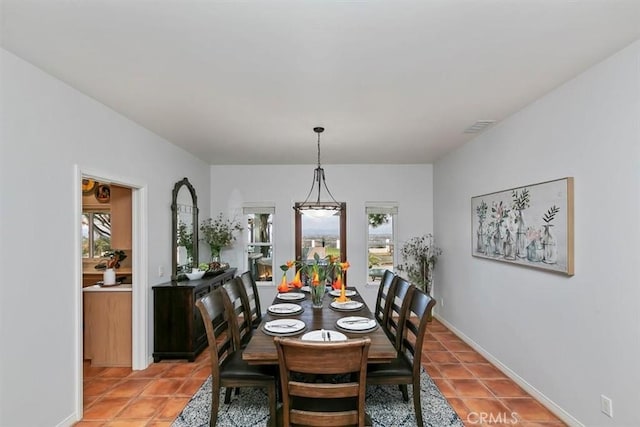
(572, 339)
(408, 185)
(47, 129)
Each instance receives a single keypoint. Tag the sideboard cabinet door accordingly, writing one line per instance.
(178, 331)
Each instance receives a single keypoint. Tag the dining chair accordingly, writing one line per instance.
(238, 312)
(400, 290)
(383, 291)
(405, 368)
(251, 294)
(335, 395)
(227, 367)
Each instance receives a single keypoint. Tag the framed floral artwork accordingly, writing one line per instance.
(530, 226)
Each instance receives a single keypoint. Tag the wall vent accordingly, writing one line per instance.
(479, 126)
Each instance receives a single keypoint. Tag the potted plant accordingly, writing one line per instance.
(109, 263)
(218, 233)
(318, 274)
(419, 256)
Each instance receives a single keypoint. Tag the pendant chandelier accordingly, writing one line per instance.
(313, 205)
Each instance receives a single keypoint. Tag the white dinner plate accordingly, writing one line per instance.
(347, 306)
(284, 326)
(284, 309)
(291, 296)
(328, 336)
(306, 289)
(356, 323)
(347, 292)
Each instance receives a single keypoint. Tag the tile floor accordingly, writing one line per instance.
(480, 393)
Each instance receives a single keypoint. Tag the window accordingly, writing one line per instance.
(324, 236)
(380, 239)
(260, 242)
(96, 234)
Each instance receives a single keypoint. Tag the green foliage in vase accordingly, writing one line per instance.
(185, 237)
(499, 212)
(481, 211)
(521, 200)
(111, 259)
(419, 256)
(551, 214)
(219, 232)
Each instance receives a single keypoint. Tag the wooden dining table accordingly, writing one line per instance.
(262, 351)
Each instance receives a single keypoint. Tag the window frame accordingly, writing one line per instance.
(91, 231)
(388, 208)
(257, 209)
(343, 234)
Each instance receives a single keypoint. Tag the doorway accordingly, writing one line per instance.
(137, 269)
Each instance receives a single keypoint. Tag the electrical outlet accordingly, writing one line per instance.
(441, 302)
(606, 405)
(160, 271)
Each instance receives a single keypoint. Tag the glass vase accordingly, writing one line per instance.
(509, 250)
(215, 254)
(317, 295)
(521, 238)
(497, 242)
(549, 245)
(480, 237)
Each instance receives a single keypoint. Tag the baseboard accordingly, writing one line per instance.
(544, 400)
(69, 421)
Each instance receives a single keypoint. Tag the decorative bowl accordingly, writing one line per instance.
(195, 275)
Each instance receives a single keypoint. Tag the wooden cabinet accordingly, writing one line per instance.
(107, 327)
(120, 217)
(178, 331)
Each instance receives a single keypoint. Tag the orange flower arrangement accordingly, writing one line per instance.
(321, 270)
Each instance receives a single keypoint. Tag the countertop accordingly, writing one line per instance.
(118, 288)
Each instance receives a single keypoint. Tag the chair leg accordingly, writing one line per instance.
(215, 402)
(405, 393)
(417, 406)
(271, 391)
(227, 395)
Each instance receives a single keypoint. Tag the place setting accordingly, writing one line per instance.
(285, 309)
(283, 327)
(347, 305)
(357, 324)
(291, 296)
(347, 293)
(324, 335)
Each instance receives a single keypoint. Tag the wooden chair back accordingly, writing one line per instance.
(383, 291)
(238, 313)
(401, 289)
(220, 339)
(323, 403)
(251, 294)
(405, 369)
(413, 323)
(227, 367)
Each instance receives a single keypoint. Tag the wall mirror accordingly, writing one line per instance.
(184, 226)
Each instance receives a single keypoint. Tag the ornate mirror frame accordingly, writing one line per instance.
(180, 185)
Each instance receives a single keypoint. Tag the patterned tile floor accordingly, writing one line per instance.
(481, 395)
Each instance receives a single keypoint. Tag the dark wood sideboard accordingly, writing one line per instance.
(178, 331)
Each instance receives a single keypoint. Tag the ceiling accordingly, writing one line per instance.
(245, 82)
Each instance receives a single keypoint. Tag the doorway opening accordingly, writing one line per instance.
(109, 213)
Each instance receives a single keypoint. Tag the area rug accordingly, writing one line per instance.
(383, 403)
